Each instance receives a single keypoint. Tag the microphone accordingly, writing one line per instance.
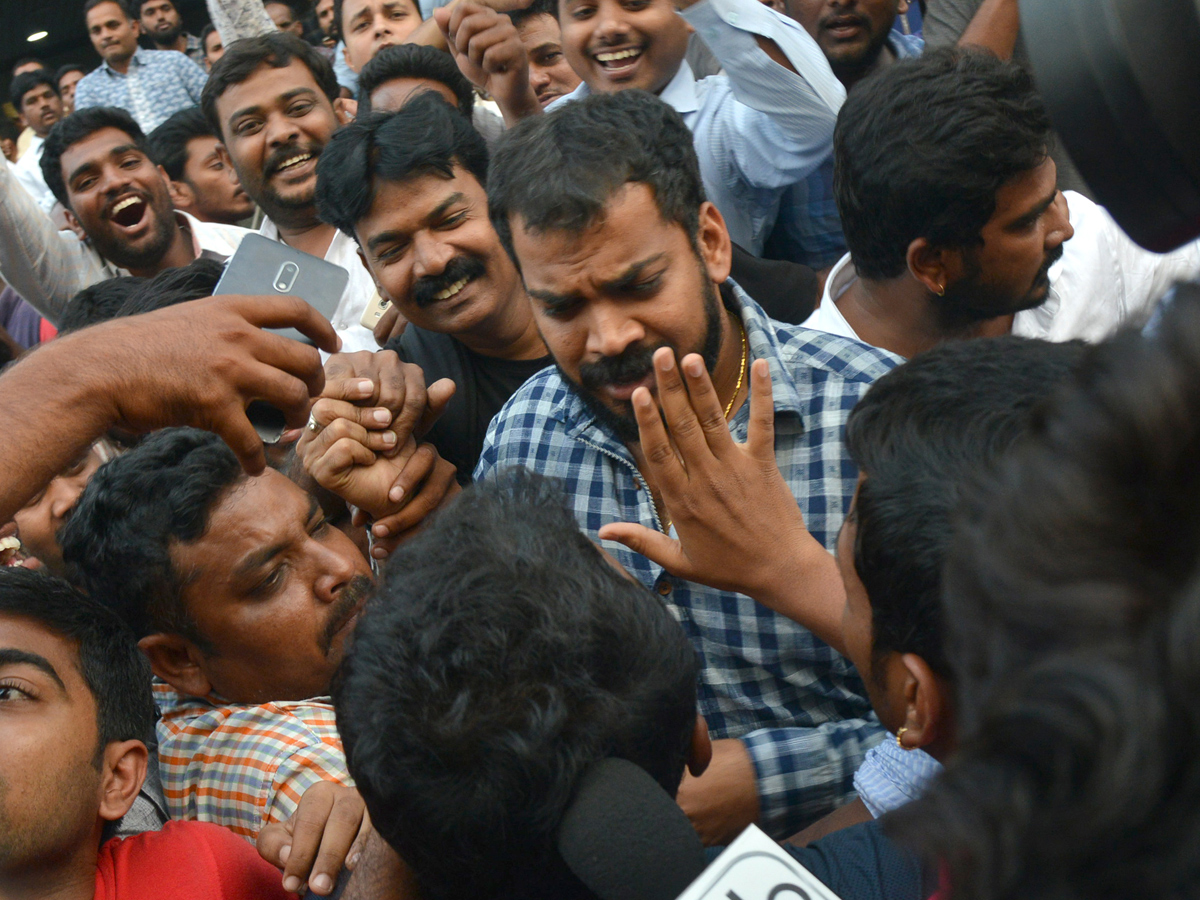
(625, 838)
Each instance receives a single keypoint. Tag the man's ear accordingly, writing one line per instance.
(181, 193)
(925, 703)
(934, 267)
(345, 110)
(178, 662)
(700, 754)
(122, 771)
(716, 249)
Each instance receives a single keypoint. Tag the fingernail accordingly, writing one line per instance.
(352, 860)
(382, 416)
(666, 361)
(378, 553)
(284, 853)
(642, 399)
(694, 367)
(389, 437)
(380, 531)
(365, 386)
(291, 884)
(321, 883)
(396, 494)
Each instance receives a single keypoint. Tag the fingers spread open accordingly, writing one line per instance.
(654, 545)
(760, 440)
(705, 404)
(665, 469)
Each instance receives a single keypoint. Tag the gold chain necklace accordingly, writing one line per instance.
(728, 408)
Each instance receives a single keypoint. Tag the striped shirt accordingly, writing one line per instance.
(799, 706)
(244, 766)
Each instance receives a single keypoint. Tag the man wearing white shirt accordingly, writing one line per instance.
(96, 164)
(761, 126)
(274, 102)
(36, 97)
(955, 224)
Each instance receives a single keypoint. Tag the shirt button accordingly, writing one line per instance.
(663, 587)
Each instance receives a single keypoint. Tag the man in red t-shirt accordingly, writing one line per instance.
(74, 702)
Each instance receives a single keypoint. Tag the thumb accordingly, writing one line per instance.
(437, 396)
(654, 545)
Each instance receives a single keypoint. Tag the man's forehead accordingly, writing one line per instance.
(105, 12)
(95, 147)
(33, 638)
(267, 85)
(409, 203)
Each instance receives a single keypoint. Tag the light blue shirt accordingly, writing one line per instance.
(890, 777)
(758, 127)
(159, 84)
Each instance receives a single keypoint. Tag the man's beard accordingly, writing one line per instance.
(852, 70)
(274, 204)
(168, 37)
(121, 254)
(968, 302)
(637, 362)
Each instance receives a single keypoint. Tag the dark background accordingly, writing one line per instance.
(67, 40)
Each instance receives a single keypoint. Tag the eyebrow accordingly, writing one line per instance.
(250, 110)
(91, 164)
(10, 656)
(1034, 213)
(387, 237)
(622, 282)
(259, 558)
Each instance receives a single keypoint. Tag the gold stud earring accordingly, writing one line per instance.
(900, 737)
(941, 291)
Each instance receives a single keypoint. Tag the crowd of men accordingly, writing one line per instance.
(750, 391)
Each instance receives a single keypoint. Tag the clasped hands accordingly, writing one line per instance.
(362, 443)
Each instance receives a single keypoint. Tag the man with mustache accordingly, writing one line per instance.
(274, 102)
(410, 189)
(96, 163)
(241, 595)
(36, 97)
(601, 203)
(955, 223)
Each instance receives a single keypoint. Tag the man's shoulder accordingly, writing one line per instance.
(196, 719)
(185, 859)
(819, 356)
(543, 399)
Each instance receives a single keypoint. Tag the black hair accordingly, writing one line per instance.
(245, 56)
(337, 18)
(26, 60)
(427, 136)
(68, 67)
(117, 542)
(919, 435)
(135, 7)
(28, 81)
(501, 657)
(8, 128)
(414, 61)
(168, 142)
(537, 8)
(208, 29)
(923, 150)
(179, 285)
(89, 5)
(74, 128)
(558, 171)
(98, 302)
(1072, 605)
(114, 669)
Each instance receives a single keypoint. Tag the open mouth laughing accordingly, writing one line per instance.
(128, 212)
(619, 61)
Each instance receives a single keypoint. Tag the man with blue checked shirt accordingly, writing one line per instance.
(602, 206)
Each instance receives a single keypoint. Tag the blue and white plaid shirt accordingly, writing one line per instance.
(797, 704)
(159, 84)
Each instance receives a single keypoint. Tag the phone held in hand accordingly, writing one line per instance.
(265, 267)
(375, 310)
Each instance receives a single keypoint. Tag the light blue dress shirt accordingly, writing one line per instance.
(159, 84)
(758, 127)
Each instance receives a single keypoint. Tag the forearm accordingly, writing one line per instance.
(236, 19)
(380, 875)
(994, 27)
(806, 773)
(806, 586)
(46, 420)
(44, 267)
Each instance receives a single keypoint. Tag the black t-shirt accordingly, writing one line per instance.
(484, 385)
(861, 863)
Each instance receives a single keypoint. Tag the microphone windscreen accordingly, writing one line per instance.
(626, 838)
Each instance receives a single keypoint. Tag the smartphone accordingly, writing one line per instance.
(375, 310)
(263, 266)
